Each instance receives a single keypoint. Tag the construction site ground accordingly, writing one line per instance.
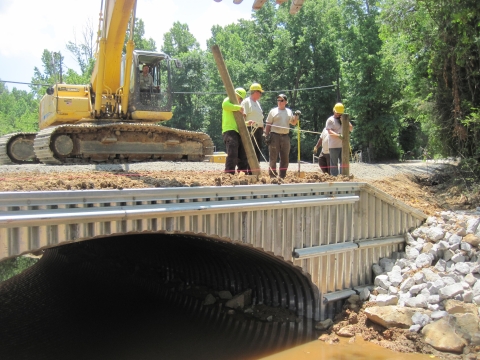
(427, 186)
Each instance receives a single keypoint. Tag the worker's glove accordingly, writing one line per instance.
(315, 149)
(268, 139)
(298, 112)
(340, 136)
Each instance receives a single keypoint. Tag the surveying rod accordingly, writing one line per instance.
(298, 147)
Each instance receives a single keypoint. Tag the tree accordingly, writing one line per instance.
(368, 82)
(18, 111)
(189, 109)
(84, 52)
(441, 44)
(179, 40)
(138, 37)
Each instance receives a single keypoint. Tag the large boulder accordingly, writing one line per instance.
(392, 316)
(465, 325)
(441, 335)
(459, 307)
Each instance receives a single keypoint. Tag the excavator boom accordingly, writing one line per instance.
(112, 29)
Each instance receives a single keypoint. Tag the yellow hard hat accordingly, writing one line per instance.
(339, 108)
(256, 87)
(241, 92)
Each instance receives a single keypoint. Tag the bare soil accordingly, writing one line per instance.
(416, 190)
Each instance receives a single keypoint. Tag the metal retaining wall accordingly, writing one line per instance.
(333, 231)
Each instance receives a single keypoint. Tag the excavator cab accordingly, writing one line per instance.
(156, 97)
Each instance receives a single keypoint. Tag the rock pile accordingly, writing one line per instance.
(433, 288)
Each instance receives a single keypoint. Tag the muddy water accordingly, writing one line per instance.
(359, 350)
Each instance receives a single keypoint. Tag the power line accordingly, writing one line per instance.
(22, 83)
(266, 91)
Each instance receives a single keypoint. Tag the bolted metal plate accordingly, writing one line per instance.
(63, 145)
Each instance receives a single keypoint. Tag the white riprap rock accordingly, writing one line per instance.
(462, 268)
(441, 265)
(472, 225)
(382, 281)
(419, 301)
(386, 300)
(395, 276)
(421, 319)
(435, 234)
(423, 260)
(411, 253)
(450, 291)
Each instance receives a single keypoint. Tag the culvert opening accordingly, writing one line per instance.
(145, 295)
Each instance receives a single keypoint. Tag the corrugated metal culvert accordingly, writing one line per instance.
(332, 232)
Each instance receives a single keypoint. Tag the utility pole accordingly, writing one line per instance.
(242, 128)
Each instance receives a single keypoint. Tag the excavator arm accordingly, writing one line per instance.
(112, 29)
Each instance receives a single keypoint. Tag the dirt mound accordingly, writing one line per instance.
(402, 187)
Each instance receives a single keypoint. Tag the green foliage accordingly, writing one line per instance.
(18, 111)
(138, 37)
(52, 72)
(189, 110)
(179, 40)
(441, 44)
(12, 267)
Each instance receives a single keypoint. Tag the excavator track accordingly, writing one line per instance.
(118, 143)
(17, 148)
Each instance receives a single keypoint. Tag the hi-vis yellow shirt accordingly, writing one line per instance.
(228, 120)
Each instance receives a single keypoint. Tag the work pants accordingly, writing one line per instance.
(257, 141)
(236, 155)
(279, 146)
(324, 162)
(335, 161)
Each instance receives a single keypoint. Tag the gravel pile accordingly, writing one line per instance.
(438, 276)
(359, 170)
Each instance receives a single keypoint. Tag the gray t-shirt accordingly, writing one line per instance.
(253, 111)
(334, 142)
(280, 120)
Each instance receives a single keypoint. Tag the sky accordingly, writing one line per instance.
(30, 26)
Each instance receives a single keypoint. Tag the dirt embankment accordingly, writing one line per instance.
(408, 182)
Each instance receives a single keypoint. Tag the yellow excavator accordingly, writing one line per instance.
(114, 118)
